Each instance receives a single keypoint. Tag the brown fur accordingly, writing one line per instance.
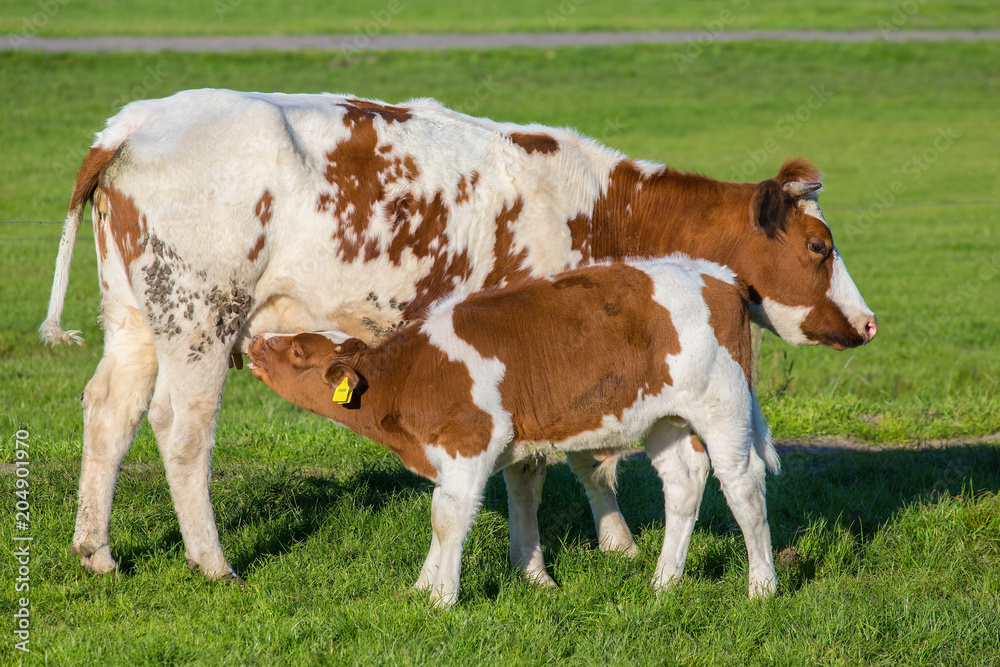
(89, 175)
(535, 142)
(358, 109)
(125, 224)
(257, 247)
(263, 209)
(563, 344)
(729, 317)
(507, 265)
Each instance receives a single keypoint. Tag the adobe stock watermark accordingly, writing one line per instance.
(562, 12)
(153, 78)
(381, 18)
(913, 169)
(695, 46)
(487, 88)
(22, 542)
(784, 128)
(902, 12)
(31, 25)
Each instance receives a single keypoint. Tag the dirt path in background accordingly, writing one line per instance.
(360, 41)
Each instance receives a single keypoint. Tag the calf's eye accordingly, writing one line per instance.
(817, 247)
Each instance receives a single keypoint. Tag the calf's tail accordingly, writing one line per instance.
(762, 441)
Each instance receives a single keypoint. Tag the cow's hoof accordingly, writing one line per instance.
(224, 572)
(98, 561)
(661, 584)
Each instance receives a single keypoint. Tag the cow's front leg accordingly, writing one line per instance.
(596, 471)
(183, 413)
(524, 481)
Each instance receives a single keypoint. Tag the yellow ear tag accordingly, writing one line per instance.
(342, 394)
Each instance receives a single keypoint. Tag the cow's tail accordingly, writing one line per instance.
(762, 441)
(51, 331)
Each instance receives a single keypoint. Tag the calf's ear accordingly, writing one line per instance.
(335, 374)
(350, 346)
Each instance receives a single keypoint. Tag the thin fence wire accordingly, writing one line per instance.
(988, 202)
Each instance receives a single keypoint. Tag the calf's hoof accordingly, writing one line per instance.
(443, 600)
(763, 589)
(540, 578)
(98, 561)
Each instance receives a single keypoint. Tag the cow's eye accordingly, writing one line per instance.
(817, 247)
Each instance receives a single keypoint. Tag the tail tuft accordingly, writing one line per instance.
(607, 467)
(762, 441)
(52, 334)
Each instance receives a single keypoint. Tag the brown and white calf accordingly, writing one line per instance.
(593, 358)
(220, 214)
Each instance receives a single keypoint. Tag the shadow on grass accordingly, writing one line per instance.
(858, 491)
(274, 509)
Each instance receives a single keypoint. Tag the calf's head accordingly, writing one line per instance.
(306, 368)
(800, 287)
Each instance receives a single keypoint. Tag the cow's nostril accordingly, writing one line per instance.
(870, 330)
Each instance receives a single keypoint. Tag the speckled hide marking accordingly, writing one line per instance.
(163, 298)
(230, 307)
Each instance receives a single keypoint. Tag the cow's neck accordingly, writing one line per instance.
(654, 213)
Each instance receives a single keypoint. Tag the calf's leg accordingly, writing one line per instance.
(524, 481)
(741, 473)
(682, 464)
(454, 507)
(113, 404)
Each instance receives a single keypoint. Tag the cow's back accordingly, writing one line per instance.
(334, 212)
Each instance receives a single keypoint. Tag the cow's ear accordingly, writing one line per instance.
(350, 347)
(337, 372)
(771, 208)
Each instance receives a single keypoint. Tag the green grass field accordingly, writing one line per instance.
(885, 557)
(59, 18)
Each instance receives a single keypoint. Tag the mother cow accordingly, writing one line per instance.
(219, 215)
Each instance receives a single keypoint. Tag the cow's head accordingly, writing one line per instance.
(306, 368)
(799, 285)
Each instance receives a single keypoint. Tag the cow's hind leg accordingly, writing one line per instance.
(613, 533)
(680, 460)
(183, 415)
(113, 404)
